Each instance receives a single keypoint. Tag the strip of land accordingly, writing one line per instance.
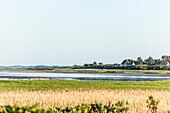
(110, 71)
(72, 70)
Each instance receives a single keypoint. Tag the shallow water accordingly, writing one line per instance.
(15, 74)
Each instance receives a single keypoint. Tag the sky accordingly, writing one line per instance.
(68, 32)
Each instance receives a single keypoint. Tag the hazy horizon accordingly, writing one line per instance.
(88, 62)
(76, 32)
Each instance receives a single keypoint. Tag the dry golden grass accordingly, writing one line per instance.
(136, 97)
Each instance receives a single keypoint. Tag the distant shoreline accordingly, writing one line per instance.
(83, 78)
(78, 78)
(94, 71)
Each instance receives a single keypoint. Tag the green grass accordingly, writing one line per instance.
(71, 84)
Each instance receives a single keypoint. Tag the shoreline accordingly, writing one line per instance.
(126, 76)
(79, 78)
(105, 72)
(96, 71)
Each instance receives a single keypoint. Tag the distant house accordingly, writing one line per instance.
(163, 63)
(75, 65)
(100, 64)
(167, 63)
(128, 62)
(133, 64)
(125, 62)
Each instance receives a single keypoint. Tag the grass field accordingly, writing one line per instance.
(71, 84)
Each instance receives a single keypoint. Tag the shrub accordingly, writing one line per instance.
(119, 107)
(152, 105)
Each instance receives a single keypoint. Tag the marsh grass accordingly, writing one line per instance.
(72, 97)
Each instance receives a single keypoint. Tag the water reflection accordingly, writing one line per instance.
(6, 74)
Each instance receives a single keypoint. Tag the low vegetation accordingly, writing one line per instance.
(152, 104)
(118, 107)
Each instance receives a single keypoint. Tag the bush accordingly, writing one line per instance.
(152, 105)
(119, 107)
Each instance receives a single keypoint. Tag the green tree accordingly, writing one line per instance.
(94, 63)
(139, 61)
(152, 104)
(86, 65)
(150, 61)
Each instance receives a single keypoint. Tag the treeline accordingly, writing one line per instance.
(148, 61)
(127, 67)
(130, 64)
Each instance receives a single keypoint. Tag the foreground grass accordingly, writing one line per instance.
(72, 84)
(73, 97)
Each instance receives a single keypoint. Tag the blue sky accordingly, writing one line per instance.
(67, 32)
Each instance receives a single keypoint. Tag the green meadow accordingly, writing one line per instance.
(73, 84)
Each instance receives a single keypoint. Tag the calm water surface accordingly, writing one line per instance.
(8, 74)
